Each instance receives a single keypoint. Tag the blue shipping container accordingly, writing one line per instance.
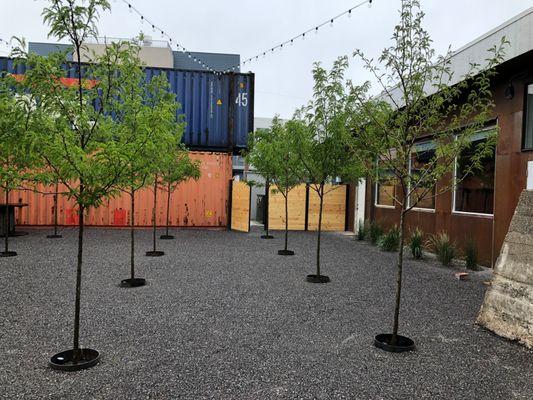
(218, 109)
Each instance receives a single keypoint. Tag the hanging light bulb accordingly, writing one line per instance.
(129, 8)
(316, 30)
(369, 3)
(153, 28)
(331, 23)
(162, 34)
(303, 36)
(292, 42)
(349, 13)
(142, 19)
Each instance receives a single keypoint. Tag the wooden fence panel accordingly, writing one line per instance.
(296, 206)
(333, 210)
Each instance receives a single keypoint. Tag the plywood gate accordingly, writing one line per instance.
(304, 205)
(241, 194)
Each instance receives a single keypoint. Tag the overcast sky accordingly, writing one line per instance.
(247, 27)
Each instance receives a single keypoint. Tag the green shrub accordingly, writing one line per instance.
(375, 232)
(443, 247)
(416, 244)
(361, 231)
(471, 255)
(391, 240)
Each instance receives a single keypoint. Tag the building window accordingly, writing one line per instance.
(527, 143)
(475, 189)
(385, 188)
(424, 195)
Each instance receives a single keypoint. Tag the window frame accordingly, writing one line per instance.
(376, 191)
(524, 118)
(483, 132)
(433, 145)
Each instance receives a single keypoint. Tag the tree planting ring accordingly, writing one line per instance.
(166, 237)
(155, 253)
(8, 254)
(318, 278)
(135, 282)
(54, 236)
(285, 252)
(63, 361)
(383, 341)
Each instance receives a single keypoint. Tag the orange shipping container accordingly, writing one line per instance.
(201, 203)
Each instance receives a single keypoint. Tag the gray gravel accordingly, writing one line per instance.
(225, 317)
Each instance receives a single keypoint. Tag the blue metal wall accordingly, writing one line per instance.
(218, 110)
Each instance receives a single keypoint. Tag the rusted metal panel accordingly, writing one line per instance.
(488, 232)
(201, 203)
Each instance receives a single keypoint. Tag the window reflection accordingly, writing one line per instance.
(475, 193)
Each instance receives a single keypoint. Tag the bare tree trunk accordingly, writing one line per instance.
(76, 344)
(55, 208)
(394, 339)
(154, 212)
(265, 213)
(168, 206)
(6, 223)
(321, 195)
(286, 219)
(132, 235)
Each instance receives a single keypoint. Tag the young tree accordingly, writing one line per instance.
(144, 111)
(56, 234)
(258, 156)
(425, 103)
(80, 148)
(289, 170)
(320, 133)
(16, 155)
(169, 148)
(180, 169)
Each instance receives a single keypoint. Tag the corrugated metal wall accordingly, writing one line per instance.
(218, 110)
(201, 203)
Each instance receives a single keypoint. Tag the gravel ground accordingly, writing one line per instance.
(225, 317)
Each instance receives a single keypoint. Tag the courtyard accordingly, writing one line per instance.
(224, 317)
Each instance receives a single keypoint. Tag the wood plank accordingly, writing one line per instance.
(240, 207)
(296, 207)
(333, 210)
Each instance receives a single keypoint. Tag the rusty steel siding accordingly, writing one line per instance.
(510, 177)
(201, 203)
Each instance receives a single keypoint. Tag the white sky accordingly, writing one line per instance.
(247, 27)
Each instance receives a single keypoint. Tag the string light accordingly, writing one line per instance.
(164, 35)
(248, 60)
(7, 44)
(315, 29)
